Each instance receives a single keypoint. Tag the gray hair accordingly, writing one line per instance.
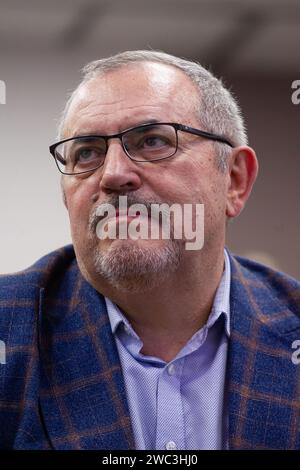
(217, 109)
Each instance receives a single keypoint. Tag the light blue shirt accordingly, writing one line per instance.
(179, 404)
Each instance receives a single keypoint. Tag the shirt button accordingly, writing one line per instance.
(171, 369)
(171, 445)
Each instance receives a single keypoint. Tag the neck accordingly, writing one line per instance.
(166, 317)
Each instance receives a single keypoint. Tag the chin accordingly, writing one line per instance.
(137, 265)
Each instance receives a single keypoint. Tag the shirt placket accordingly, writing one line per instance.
(170, 417)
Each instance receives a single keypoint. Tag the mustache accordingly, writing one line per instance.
(113, 200)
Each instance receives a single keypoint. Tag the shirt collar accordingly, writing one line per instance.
(220, 306)
(116, 317)
(221, 303)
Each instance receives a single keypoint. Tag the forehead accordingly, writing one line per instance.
(132, 95)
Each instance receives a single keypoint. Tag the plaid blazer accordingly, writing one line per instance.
(62, 384)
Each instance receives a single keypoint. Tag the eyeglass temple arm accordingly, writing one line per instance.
(205, 134)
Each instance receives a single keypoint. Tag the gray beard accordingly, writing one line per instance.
(132, 268)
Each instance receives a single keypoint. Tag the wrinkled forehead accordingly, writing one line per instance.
(138, 87)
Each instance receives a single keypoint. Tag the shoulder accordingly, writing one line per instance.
(39, 274)
(20, 292)
(266, 282)
(19, 337)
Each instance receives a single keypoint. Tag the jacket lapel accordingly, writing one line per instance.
(83, 399)
(263, 382)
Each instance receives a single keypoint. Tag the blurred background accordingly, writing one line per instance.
(253, 45)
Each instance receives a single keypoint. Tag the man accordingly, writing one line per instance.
(141, 343)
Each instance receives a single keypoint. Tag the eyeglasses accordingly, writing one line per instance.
(145, 143)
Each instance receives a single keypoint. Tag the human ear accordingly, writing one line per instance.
(243, 169)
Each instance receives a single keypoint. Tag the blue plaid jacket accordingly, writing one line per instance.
(62, 384)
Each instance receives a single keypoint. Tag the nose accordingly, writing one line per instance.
(119, 173)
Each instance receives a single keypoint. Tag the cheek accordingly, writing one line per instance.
(215, 205)
(79, 196)
(194, 181)
(203, 183)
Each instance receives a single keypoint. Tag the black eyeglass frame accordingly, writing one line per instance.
(176, 126)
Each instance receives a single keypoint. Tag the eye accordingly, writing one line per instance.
(153, 142)
(86, 154)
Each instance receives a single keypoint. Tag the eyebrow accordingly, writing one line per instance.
(84, 138)
(150, 121)
(89, 133)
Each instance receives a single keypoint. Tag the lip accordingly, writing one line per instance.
(119, 216)
(124, 214)
(121, 213)
(122, 217)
